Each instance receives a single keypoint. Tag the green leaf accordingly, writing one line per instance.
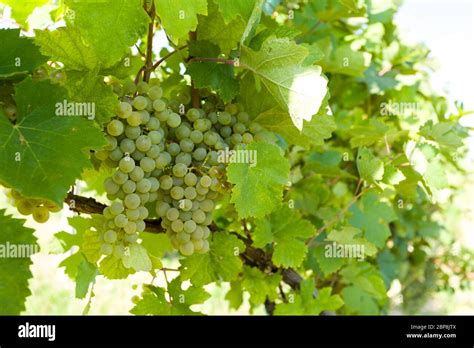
(21, 10)
(42, 154)
(123, 20)
(358, 301)
(14, 270)
(372, 217)
(221, 262)
(112, 267)
(278, 66)
(235, 295)
(306, 304)
(368, 134)
(86, 274)
(68, 240)
(288, 232)
(137, 258)
(90, 88)
(91, 245)
(18, 54)
(259, 285)
(217, 77)
(179, 17)
(156, 244)
(214, 29)
(153, 303)
(344, 60)
(371, 169)
(392, 175)
(327, 265)
(444, 133)
(184, 299)
(258, 189)
(67, 46)
(314, 132)
(231, 9)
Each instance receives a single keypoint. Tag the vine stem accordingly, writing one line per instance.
(164, 58)
(214, 60)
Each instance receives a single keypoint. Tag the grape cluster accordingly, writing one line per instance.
(39, 208)
(168, 154)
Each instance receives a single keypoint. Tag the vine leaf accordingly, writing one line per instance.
(67, 46)
(21, 10)
(86, 273)
(371, 169)
(305, 303)
(231, 9)
(113, 267)
(18, 54)
(278, 65)
(443, 133)
(99, 21)
(42, 154)
(179, 17)
(287, 231)
(258, 187)
(14, 271)
(137, 258)
(372, 217)
(221, 262)
(260, 286)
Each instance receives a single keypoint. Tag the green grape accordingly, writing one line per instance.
(224, 118)
(163, 160)
(196, 136)
(162, 208)
(131, 238)
(110, 236)
(144, 185)
(198, 233)
(255, 128)
(202, 125)
(207, 205)
(143, 213)
(164, 115)
(182, 237)
(130, 227)
(198, 244)
(127, 145)
(205, 181)
(243, 117)
(102, 155)
(154, 184)
(200, 154)
(206, 232)
(137, 174)
(107, 213)
(132, 132)
(155, 92)
(231, 109)
(200, 198)
(153, 153)
(153, 124)
(239, 128)
(24, 207)
(147, 164)
(119, 251)
(143, 87)
(141, 225)
(180, 170)
(187, 249)
(190, 193)
(177, 226)
(212, 116)
(236, 139)
(177, 192)
(143, 143)
(189, 226)
(115, 128)
(182, 132)
(124, 110)
(126, 164)
(144, 197)
(185, 204)
(111, 187)
(119, 177)
(199, 216)
(247, 138)
(140, 102)
(174, 120)
(116, 208)
(137, 155)
(186, 215)
(193, 114)
(226, 131)
(190, 179)
(178, 181)
(184, 158)
(135, 119)
(106, 249)
(210, 138)
(155, 137)
(145, 117)
(159, 105)
(172, 214)
(173, 149)
(133, 214)
(166, 182)
(132, 201)
(120, 220)
(186, 145)
(111, 143)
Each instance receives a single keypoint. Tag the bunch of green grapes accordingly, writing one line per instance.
(135, 141)
(168, 153)
(39, 208)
